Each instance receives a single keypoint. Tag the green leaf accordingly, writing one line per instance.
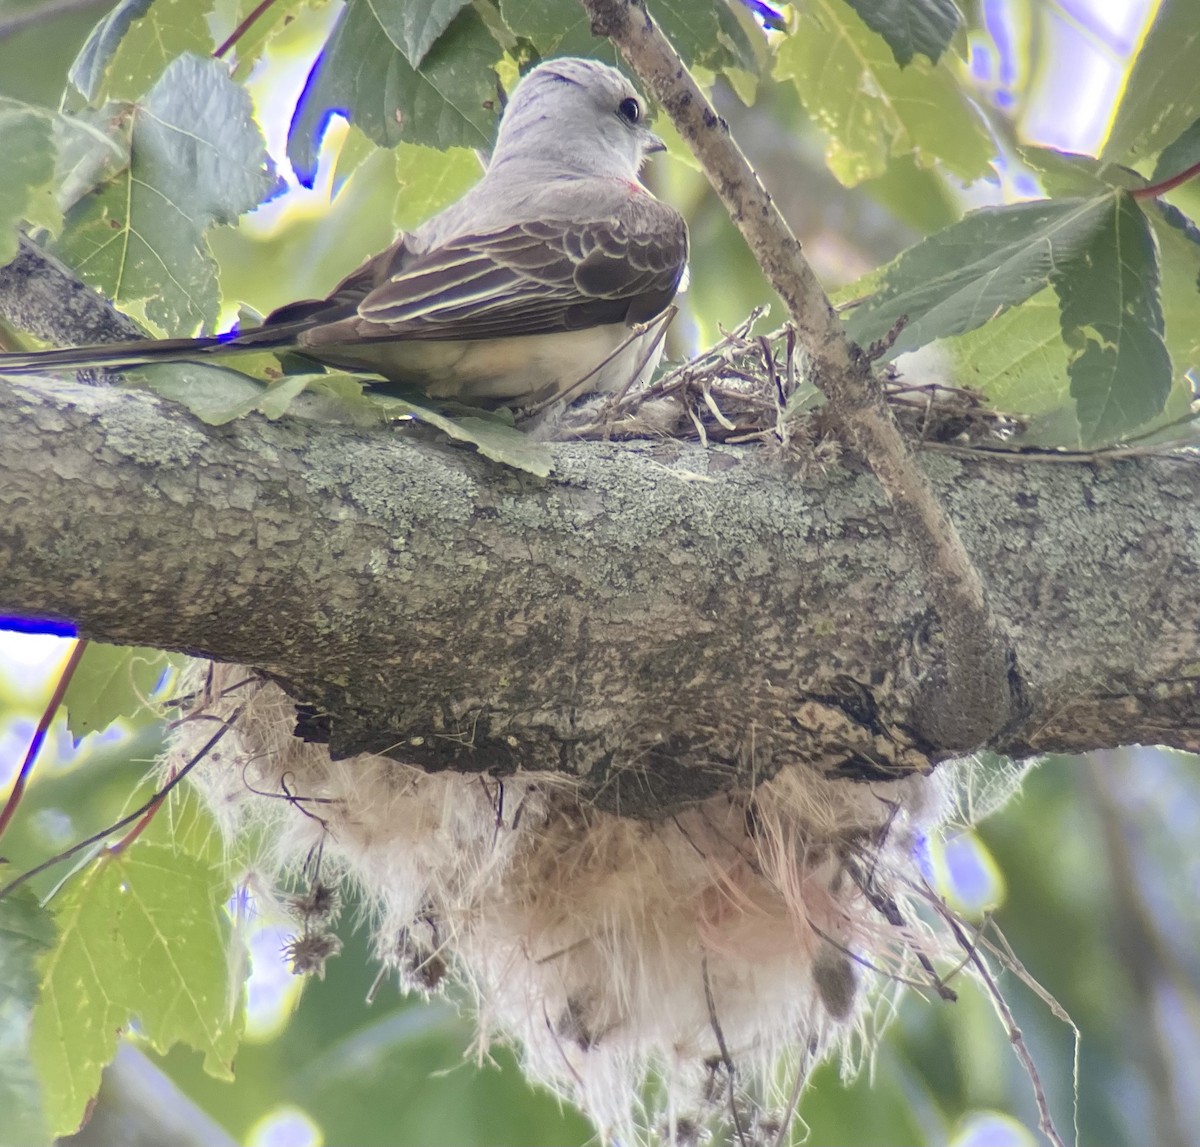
(911, 26)
(1178, 156)
(87, 72)
(93, 147)
(1112, 321)
(267, 25)
(872, 110)
(26, 931)
(972, 271)
(555, 28)
(112, 681)
(1179, 247)
(361, 73)
(429, 180)
(1162, 94)
(490, 434)
(693, 29)
(197, 159)
(27, 170)
(414, 26)
(142, 935)
(703, 31)
(218, 394)
(170, 29)
(1019, 361)
(1064, 173)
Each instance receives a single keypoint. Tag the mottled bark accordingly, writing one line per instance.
(659, 619)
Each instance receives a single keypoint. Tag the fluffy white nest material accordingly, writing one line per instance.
(703, 950)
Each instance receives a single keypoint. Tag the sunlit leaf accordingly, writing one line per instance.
(1112, 321)
(263, 29)
(141, 935)
(112, 681)
(1018, 360)
(26, 931)
(429, 180)
(197, 159)
(1162, 95)
(911, 26)
(169, 29)
(87, 72)
(448, 102)
(871, 109)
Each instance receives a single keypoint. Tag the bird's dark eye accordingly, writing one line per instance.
(629, 110)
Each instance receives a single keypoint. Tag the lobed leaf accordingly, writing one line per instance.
(872, 110)
(143, 935)
(197, 158)
(151, 43)
(1162, 93)
(1018, 360)
(911, 26)
(112, 681)
(88, 70)
(960, 278)
(363, 74)
(1112, 322)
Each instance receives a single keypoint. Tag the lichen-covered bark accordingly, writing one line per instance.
(659, 619)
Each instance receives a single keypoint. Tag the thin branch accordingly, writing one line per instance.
(242, 28)
(1154, 190)
(977, 697)
(39, 734)
(137, 813)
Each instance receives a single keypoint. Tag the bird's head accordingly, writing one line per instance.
(580, 114)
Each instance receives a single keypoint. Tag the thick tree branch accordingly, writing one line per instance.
(980, 694)
(658, 619)
(39, 296)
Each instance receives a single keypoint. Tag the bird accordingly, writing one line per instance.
(552, 277)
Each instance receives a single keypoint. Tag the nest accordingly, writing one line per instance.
(754, 388)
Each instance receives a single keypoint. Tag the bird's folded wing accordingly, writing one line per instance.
(528, 278)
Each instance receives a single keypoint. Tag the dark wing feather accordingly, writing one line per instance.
(531, 278)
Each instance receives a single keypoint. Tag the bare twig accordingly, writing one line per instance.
(979, 694)
(39, 734)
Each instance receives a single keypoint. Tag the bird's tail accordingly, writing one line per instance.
(143, 352)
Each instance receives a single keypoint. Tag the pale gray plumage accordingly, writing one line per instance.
(537, 279)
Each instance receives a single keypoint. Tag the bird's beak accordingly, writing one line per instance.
(654, 143)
